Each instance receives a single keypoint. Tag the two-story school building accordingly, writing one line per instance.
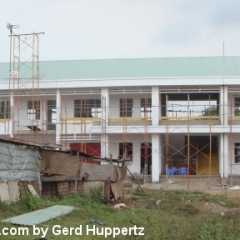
(155, 112)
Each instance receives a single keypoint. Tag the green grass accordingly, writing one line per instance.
(163, 214)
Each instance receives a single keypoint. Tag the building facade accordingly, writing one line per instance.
(156, 113)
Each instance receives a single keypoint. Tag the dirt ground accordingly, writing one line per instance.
(210, 187)
(207, 186)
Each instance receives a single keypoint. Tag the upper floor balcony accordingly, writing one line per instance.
(82, 114)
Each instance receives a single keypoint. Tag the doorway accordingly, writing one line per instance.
(204, 148)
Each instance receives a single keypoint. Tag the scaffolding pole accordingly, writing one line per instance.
(210, 145)
(24, 79)
(146, 143)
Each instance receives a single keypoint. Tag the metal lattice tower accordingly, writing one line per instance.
(24, 73)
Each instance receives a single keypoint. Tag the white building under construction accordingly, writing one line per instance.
(155, 112)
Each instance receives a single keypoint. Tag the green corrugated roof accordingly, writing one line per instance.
(40, 216)
(131, 68)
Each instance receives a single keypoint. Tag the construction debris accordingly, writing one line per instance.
(120, 206)
(97, 222)
(234, 188)
(170, 181)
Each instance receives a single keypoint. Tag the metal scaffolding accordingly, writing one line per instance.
(24, 79)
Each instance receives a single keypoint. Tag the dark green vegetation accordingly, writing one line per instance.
(164, 215)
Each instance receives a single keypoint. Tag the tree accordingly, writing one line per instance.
(210, 111)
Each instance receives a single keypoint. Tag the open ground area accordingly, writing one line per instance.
(163, 211)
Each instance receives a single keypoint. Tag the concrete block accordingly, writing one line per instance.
(14, 192)
(4, 192)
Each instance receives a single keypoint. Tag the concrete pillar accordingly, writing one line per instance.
(105, 106)
(225, 105)
(225, 135)
(104, 122)
(225, 156)
(156, 157)
(221, 154)
(223, 144)
(58, 117)
(221, 105)
(104, 146)
(155, 106)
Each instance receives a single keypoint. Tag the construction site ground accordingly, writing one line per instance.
(204, 184)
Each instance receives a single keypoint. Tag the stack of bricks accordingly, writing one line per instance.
(49, 189)
(75, 187)
(62, 188)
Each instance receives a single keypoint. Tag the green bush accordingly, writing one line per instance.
(34, 203)
(96, 193)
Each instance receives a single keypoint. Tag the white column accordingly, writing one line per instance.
(104, 146)
(221, 105)
(105, 105)
(155, 106)
(225, 105)
(104, 122)
(225, 156)
(58, 117)
(156, 157)
(221, 155)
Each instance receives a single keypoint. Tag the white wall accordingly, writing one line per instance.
(114, 105)
(21, 116)
(5, 127)
(67, 109)
(234, 168)
(114, 102)
(20, 113)
(114, 141)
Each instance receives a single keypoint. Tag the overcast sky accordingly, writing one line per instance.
(93, 29)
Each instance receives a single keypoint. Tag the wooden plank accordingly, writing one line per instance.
(117, 189)
(59, 178)
(32, 190)
(99, 172)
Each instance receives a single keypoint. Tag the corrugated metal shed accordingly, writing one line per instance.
(132, 68)
(40, 216)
